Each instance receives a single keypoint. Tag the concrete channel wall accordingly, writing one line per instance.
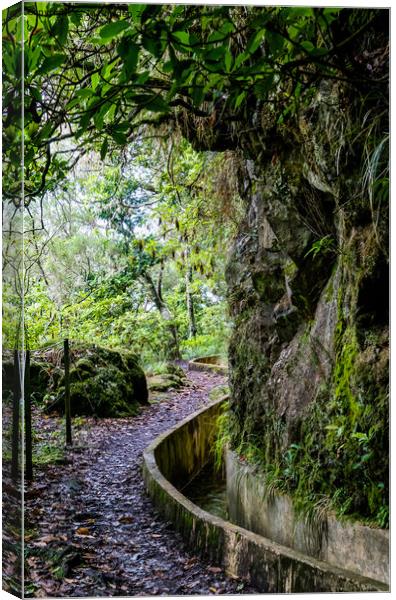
(172, 460)
(356, 547)
(214, 363)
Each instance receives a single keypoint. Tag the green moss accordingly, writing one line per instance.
(290, 269)
(162, 383)
(223, 436)
(344, 374)
(269, 286)
(219, 391)
(338, 462)
(85, 365)
(103, 382)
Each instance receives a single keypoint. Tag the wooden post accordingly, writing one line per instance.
(66, 357)
(15, 418)
(28, 422)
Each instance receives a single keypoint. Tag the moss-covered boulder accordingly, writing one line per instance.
(166, 377)
(41, 374)
(103, 383)
(162, 383)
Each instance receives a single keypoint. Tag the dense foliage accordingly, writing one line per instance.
(134, 256)
(97, 74)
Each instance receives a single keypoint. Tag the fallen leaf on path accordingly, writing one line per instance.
(40, 544)
(126, 519)
(105, 568)
(53, 538)
(215, 569)
(83, 531)
(32, 561)
(194, 584)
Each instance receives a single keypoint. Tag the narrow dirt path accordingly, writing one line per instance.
(92, 529)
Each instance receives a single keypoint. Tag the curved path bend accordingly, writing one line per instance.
(91, 529)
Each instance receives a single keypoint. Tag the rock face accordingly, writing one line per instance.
(308, 291)
(103, 383)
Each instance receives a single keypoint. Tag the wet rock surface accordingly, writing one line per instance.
(91, 529)
(305, 279)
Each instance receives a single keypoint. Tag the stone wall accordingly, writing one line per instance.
(214, 363)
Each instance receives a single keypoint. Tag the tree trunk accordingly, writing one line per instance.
(156, 293)
(192, 326)
(66, 360)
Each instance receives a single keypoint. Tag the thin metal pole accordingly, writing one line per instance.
(67, 392)
(28, 422)
(15, 417)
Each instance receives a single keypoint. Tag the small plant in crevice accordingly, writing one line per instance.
(323, 246)
(219, 392)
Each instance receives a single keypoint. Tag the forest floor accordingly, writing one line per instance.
(92, 530)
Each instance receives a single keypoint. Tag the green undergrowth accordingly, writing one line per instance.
(160, 367)
(59, 560)
(49, 448)
(204, 345)
(48, 454)
(219, 391)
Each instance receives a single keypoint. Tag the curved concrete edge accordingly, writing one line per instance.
(199, 364)
(272, 568)
(350, 544)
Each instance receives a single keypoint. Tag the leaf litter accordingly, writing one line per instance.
(92, 530)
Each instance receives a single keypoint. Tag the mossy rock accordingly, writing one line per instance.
(40, 375)
(103, 383)
(166, 377)
(7, 368)
(162, 383)
(84, 364)
(173, 369)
